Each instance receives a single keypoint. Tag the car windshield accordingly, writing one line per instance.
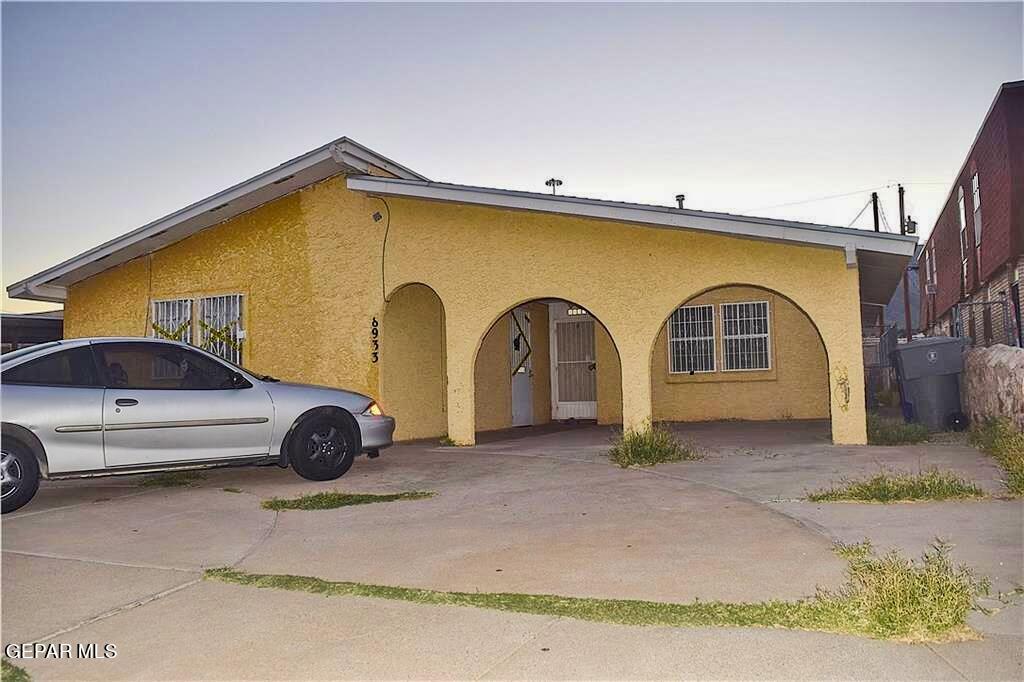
(22, 352)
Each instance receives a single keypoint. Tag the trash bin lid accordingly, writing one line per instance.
(930, 356)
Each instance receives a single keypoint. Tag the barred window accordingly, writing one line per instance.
(220, 326)
(214, 323)
(691, 339)
(745, 336)
(172, 319)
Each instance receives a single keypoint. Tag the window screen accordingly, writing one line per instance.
(745, 336)
(691, 339)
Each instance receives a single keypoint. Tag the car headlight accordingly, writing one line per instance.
(373, 410)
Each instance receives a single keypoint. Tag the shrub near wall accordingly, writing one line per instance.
(992, 384)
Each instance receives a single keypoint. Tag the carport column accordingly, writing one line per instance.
(636, 384)
(461, 358)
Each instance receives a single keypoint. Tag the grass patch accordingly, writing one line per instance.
(901, 487)
(1001, 439)
(12, 673)
(650, 445)
(232, 490)
(446, 442)
(882, 431)
(333, 500)
(884, 597)
(173, 479)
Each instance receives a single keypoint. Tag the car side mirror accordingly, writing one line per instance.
(239, 381)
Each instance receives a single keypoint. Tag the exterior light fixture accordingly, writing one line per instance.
(553, 183)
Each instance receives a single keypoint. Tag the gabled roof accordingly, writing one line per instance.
(880, 256)
(338, 156)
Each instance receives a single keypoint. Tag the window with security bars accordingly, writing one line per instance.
(745, 336)
(214, 323)
(172, 319)
(219, 326)
(691, 339)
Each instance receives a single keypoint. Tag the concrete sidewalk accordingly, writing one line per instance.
(105, 561)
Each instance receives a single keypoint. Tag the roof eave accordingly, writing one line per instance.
(336, 157)
(653, 216)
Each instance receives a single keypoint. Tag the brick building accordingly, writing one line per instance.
(971, 267)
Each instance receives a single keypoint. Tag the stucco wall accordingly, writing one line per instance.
(309, 265)
(412, 363)
(664, 268)
(609, 378)
(494, 379)
(540, 341)
(796, 386)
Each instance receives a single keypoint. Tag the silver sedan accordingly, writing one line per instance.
(104, 406)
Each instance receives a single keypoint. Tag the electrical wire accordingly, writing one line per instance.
(860, 214)
(384, 247)
(881, 211)
(844, 194)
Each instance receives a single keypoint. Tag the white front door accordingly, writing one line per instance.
(521, 357)
(574, 363)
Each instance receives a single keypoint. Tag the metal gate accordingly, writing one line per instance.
(574, 363)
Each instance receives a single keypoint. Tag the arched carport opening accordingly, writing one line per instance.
(739, 352)
(413, 363)
(546, 360)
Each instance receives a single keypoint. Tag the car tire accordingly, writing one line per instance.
(322, 447)
(20, 474)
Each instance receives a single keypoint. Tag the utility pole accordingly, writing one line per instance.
(874, 208)
(906, 277)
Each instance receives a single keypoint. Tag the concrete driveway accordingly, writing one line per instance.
(535, 510)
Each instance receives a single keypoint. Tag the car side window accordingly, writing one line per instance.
(74, 368)
(160, 366)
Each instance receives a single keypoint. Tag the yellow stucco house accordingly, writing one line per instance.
(465, 309)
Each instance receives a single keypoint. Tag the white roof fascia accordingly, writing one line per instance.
(655, 216)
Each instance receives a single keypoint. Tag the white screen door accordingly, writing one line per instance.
(521, 358)
(574, 380)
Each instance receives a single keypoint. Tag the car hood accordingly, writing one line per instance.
(316, 395)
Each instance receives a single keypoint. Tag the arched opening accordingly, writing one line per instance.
(412, 358)
(546, 360)
(739, 352)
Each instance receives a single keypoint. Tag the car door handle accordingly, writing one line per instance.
(126, 402)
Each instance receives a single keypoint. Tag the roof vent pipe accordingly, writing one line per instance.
(680, 198)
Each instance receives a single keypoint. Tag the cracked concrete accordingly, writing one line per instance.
(540, 511)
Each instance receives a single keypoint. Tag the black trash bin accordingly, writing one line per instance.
(928, 372)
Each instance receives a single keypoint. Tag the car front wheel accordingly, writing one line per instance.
(322, 448)
(19, 475)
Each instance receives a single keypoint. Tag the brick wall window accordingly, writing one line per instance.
(964, 247)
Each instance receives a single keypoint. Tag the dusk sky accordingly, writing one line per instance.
(114, 115)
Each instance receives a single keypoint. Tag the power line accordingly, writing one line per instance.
(839, 196)
(860, 214)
